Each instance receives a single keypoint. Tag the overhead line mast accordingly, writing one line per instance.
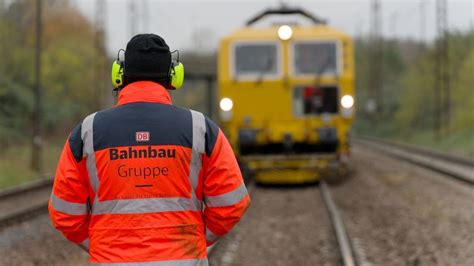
(442, 106)
(99, 41)
(375, 85)
(422, 9)
(37, 141)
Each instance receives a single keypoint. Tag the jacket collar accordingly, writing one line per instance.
(144, 91)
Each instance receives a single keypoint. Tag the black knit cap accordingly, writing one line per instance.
(147, 57)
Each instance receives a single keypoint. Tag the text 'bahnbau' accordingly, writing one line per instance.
(143, 153)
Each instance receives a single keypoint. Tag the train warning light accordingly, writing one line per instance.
(285, 32)
(347, 101)
(226, 104)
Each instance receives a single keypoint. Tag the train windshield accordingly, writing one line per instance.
(255, 60)
(315, 58)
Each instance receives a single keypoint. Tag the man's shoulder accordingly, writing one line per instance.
(172, 108)
(143, 106)
(209, 122)
(212, 130)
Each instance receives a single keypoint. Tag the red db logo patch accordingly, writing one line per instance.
(142, 136)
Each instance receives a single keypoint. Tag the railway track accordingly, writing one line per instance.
(29, 200)
(345, 249)
(461, 168)
(24, 201)
(342, 237)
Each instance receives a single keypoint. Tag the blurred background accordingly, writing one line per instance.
(414, 83)
(398, 47)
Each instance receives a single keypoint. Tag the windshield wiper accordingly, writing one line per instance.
(268, 66)
(322, 69)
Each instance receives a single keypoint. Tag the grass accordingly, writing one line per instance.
(459, 142)
(15, 163)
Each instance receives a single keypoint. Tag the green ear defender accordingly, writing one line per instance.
(176, 75)
(117, 73)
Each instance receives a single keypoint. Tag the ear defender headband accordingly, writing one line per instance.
(117, 71)
(175, 74)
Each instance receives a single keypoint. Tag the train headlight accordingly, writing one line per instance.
(226, 104)
(347, 101)
(285, 32)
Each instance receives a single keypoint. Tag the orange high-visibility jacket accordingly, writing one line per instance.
(147, 183)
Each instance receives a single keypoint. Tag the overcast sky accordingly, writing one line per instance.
(198, 25)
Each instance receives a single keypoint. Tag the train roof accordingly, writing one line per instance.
(299, 33)
(318, 28)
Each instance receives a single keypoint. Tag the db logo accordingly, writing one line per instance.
(142, 136)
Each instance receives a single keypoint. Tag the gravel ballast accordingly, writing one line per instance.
(395, 213)
(284, 226)
(401, 214)
(36, 242)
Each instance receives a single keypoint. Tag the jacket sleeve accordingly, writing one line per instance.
(225, 195)
(68, 205)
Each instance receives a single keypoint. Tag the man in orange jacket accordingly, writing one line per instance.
(145, 182)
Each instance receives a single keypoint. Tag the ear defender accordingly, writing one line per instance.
(117, 73)
(176, 75)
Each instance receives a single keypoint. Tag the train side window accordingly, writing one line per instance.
(313, 100)
(255, 60)
(315, 58)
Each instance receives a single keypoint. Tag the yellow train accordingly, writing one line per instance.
(286, 97)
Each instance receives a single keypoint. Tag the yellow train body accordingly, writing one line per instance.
(268, 111)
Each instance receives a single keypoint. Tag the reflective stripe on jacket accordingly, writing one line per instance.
(147, 183)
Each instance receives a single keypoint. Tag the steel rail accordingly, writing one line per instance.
(454, 166)
(29, 210)
(27, 187)
(23, 214)
(342, 237)
(421, 150)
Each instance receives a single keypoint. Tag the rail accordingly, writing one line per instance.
(24, 201)
(461, 168)
(342, 237)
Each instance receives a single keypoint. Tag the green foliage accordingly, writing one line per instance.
(69, 60)
(409, 83)
(416, 96)
(464, 96)
(13, 164)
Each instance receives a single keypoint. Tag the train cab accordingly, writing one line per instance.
(287, 93)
